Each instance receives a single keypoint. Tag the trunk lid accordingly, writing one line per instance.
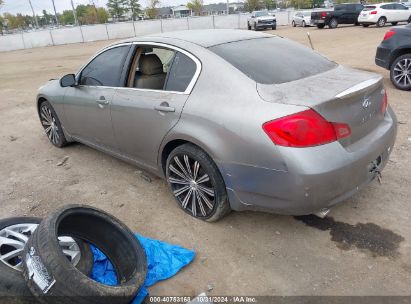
(340, 95)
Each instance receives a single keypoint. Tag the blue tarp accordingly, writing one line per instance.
(163, 261)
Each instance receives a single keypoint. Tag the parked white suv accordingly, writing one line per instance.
(380, 14)
(261, 20)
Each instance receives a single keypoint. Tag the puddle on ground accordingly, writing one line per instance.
(378, 241)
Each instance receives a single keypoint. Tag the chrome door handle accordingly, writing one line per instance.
(164, 107)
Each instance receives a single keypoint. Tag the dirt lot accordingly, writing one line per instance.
(364, 249)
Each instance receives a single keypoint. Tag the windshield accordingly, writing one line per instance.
(261, 14)
(307, 14)
(279, 60)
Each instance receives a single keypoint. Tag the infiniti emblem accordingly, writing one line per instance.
(366, 103)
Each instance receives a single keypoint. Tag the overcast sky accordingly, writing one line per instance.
(23, 6)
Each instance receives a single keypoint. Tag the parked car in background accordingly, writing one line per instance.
(174, 103)
(394, 54)
(261, 20)
(346, 13)
(407, 4)
(383, 13)
(302, 18)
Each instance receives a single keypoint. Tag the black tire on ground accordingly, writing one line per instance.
(219, 199)
(320, 26)
(409, 20)
(248, 26)
(44, 108)
(365, 25)
(64, 282)
(255, 26)
(394, 23)
(274, 28)
(12, 283)
(381, 22)
(357, 24)
(304, 25)
(395, 72)
(333, 23)
(293, 24)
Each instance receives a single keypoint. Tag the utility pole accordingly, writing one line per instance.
(55, 13)
(74, 12)
(228, 8)
(34, 15)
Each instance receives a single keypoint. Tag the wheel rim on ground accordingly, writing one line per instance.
(402, 72)
(13, 239)
(381, 22)
(192, 186)
(49, 124)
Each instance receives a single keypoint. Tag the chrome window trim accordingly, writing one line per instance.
(160, 44)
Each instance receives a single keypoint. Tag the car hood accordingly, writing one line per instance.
(266, 18)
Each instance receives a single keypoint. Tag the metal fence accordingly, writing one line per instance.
(88, 33)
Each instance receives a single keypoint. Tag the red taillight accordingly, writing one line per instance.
(373, 13)
(305, 129)
(323, 14)
(389, 34)
(384, 104)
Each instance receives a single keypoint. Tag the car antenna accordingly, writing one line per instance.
(309, 39)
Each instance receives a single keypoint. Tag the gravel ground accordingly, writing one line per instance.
(363, 249)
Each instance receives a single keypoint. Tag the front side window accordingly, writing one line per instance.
(279, 60)
(105, 69)
(181, 73)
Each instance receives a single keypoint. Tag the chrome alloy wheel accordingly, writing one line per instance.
(192, 186)
(49, 123)
(402, 72)
(14, 238)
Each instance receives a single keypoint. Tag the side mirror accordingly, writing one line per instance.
(68, 80)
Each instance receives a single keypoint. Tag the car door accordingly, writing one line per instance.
(145, 111)
(389, 12)
(87, 105)
(298, 19)
(402, 11)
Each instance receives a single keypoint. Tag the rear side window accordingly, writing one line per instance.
(105, 69)
(341, 7)
(387, 6)
(181, 73)
(274, 60)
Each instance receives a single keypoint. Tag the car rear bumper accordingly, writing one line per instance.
(382, 57)
(369, 19)
(317, 177)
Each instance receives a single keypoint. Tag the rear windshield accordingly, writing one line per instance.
(273, 60)
(369, 8)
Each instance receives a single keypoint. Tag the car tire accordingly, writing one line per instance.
(274, 28)
(60, 280)
(333, 23)
(357, 24)
(394, 23)
(396, 70)
(51, 124)
(255, 26)
(248, 26)
(365, 25)
(409, 20)
(293, 24)
(381, 22)
(303, 24)
(187, 167)
(12, 283)
(320, 26)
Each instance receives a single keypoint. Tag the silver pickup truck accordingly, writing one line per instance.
(261, 20)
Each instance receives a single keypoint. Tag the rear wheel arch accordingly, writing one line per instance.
(397, 53)
(174, 143)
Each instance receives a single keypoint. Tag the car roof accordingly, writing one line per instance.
(204, 38)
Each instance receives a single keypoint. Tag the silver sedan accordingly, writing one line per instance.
(287, 131)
